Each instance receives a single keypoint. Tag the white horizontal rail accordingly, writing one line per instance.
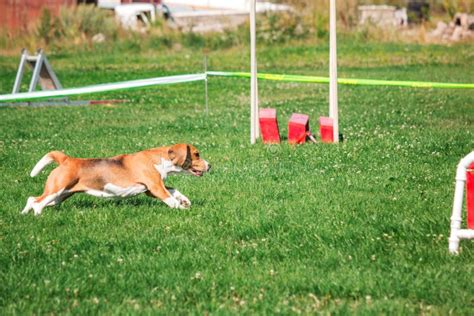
(103, 87)
(465, 233)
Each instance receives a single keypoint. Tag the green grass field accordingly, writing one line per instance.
(355, 228)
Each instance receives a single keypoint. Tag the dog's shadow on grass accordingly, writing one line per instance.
(86, 203)
(89, 203)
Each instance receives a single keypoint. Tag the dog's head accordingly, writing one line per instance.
(187, 157)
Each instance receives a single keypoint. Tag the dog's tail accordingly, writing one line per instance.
(56, 156)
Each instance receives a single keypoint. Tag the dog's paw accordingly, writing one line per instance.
(182, 199)
(183, 207)
(185, 202)
(29, 205)
(38, 208)
(174, 203)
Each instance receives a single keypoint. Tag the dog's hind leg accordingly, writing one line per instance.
(66, 194)
(57, 188)
(44, 201)
(29, 205)
(58, 199)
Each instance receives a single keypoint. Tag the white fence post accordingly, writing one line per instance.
(333, 106)
(253, 78)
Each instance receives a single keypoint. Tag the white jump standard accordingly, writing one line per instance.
(333, 101)
(456, 232)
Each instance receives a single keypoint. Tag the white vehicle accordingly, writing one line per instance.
(135, 16)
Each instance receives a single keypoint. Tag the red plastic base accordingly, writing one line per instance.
(326, 128)
(298, 126)
(470, 196)
(269, 126)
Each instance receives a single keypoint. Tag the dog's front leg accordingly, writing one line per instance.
(164, 196)
(157, 189)
(185, 202)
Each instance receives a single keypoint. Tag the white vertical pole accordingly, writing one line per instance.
(333, 107)
(257, 124)
(205, 85)
(253, 77)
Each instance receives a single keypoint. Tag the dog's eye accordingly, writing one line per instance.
(197, 155)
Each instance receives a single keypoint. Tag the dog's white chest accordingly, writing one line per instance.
(166, 167)
(114, 191)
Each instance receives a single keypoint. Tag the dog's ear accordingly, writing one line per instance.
(180, 155)
(171, 154)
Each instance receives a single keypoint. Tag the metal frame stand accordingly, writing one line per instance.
(43, 73)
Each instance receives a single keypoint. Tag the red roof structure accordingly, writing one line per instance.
(19, 15)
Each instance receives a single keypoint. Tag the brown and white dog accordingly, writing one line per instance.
(120, 176)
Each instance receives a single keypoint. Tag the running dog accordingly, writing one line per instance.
(118, 177)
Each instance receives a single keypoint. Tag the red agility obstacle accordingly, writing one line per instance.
(326, 128)
(298, 128)
(269, 126)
